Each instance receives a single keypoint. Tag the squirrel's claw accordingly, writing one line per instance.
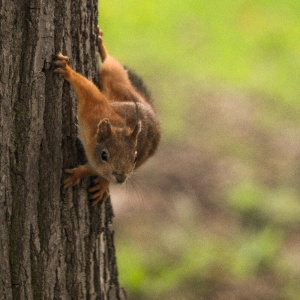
(61, 63)
(99, 197)
(102, 48)
(73, 178)
(100, 33)
(68, 182)
(99, 190)
(62, 57)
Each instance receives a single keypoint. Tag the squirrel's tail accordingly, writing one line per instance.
(139, 85)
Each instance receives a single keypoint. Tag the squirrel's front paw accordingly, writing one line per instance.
(73, 178)
(61, 63)
(99, 190)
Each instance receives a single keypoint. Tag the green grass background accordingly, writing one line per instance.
(251, 48)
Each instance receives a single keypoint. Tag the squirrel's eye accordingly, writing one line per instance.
(135, 157)
(104, 155)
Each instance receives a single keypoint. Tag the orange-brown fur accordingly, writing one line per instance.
(117, 125)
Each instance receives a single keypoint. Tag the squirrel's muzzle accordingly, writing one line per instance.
(120, 178)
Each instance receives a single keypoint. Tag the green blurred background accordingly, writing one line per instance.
(216, 213)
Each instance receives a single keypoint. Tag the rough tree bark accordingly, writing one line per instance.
(53, 244)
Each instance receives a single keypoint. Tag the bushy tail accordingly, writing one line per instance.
(139, 85)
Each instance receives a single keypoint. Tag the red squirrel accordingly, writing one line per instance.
(117, 125)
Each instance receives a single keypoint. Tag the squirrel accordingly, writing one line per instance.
(117, 124)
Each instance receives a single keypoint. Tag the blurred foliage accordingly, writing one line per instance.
(226, 78)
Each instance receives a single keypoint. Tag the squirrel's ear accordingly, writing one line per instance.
(136, 130)
(104, 130)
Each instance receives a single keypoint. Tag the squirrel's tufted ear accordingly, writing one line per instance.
(104, 130)
(136, 130)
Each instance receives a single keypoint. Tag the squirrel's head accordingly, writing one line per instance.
(115, 153)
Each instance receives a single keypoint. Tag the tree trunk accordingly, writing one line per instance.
(53, 244)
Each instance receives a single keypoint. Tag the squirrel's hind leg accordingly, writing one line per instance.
(102, 49)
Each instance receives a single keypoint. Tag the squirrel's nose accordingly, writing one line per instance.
(119, 177)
